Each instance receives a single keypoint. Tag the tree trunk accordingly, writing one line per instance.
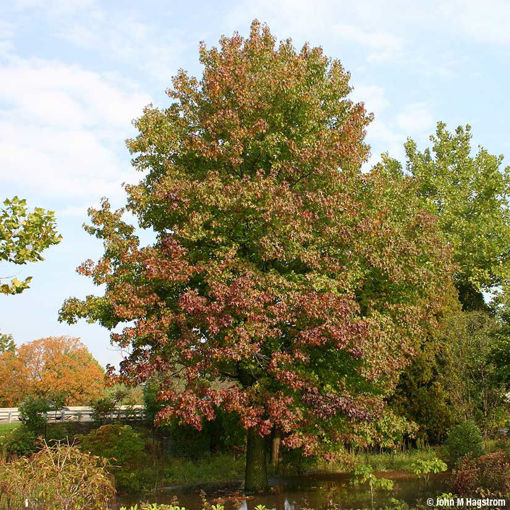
(275, 448)
(256, 469)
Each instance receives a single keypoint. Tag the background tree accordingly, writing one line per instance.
(6, 343)
(481, 387)
(468, 192)
(456, 377)
(54, 368)
(469, 195)
(279, 268)
(23, 236)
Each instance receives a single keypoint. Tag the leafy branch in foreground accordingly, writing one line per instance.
(24, 235)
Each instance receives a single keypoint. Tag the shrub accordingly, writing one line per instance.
(32, 412)
(57, 432)
(106, 405)
(122, 446)
(59, 477)
(422, 468)
(464, 438)
(488, 475)
(102, 408)
(20, 441)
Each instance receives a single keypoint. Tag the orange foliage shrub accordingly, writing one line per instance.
(49, 367)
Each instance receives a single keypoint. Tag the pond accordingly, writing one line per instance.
(313, 491)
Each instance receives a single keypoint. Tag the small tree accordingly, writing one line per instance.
(363, 475)
(423, 468)
(34, 413)
(464, 438)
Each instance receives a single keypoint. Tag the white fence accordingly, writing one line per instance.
(76, 413)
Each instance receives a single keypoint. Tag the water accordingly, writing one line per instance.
(310, 492)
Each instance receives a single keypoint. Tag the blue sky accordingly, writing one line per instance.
(74, 73)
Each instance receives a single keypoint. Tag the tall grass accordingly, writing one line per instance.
(396, 461)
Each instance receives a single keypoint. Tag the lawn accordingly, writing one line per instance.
(6, 427)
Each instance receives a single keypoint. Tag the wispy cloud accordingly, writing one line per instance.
(381, 46)
(132, 42)
(114, 34)
(59, 7)
(415, 118)
(62, 128)
(373, 96)
(486, 21)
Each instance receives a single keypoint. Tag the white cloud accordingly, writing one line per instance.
(388, 133)
(324, 21)
(415, 118)
(381, 45)
(78, 211)
(56, 6)
(6, 35)
(6, 30)
(373, 96)
(114, 32)
(129, 41)
(62, 128)
(485, 21)
(53, 93)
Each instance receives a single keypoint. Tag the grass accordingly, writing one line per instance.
(396, 461)
(214, 468)
(7, 427)
(147, 476)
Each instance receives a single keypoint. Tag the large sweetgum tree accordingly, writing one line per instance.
(279, 269)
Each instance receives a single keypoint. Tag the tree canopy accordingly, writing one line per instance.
(468, 192)
(59, 368)
(279, 267)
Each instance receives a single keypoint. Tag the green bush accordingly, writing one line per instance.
(57, 432)
(423, 468)
(463, 439)
(33, 412)
(19, 441)
(102, 409)
(122, 446)
(55, 478)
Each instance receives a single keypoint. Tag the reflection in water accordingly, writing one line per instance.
(308, 492)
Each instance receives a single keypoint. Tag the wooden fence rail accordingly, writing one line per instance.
(76, 413)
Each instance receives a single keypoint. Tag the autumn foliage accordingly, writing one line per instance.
(279, 267)
(50, 367)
